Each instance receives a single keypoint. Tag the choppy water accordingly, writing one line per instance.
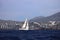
(30, 35)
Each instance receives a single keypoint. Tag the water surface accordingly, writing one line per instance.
(30, 35)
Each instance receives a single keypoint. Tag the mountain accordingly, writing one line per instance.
(54, 17)
(35, 19)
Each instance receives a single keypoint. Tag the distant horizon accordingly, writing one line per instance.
(19, 10)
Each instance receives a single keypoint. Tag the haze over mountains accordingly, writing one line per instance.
(54, 17)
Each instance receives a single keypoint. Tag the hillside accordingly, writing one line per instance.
(54, 17)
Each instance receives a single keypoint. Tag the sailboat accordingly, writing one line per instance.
(25, 25)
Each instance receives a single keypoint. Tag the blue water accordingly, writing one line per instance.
(30, 35)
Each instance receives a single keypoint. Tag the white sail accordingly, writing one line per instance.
(25, 25)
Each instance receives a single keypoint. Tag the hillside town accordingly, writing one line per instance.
(53, 25)
(47, 23)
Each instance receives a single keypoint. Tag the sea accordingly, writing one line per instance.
(29, 34)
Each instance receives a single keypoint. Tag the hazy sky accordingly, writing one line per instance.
(20, 9)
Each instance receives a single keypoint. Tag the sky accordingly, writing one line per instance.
(19, 10)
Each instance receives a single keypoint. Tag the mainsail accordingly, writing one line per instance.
(25, 25)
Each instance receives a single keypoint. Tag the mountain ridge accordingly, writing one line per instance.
(54, 17)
